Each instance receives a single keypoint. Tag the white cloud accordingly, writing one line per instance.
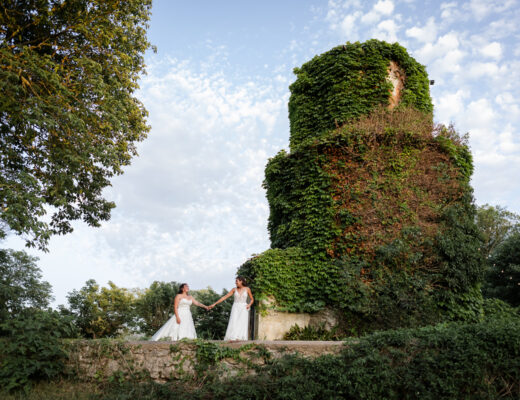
(386, 30)
(426, 33)
(370, 17)
(492, 50)
(444, 45)
(480, 116)
(480, 8)
(507, 143)
(191, 207)
(478, 70)
(449, 10)
(483, 8)
(450, 105)
(385, 7)
(380, 9)
(348, 25)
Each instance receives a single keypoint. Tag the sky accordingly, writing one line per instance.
(191, 207)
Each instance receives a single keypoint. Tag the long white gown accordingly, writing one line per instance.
(171, 329)
(238, 325)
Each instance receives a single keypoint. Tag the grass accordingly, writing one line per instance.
(57, 390)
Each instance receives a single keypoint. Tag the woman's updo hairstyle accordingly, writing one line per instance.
(243, 280)
(181, 287)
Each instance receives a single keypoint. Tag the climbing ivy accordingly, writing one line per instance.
(371, 212)
(349, 81)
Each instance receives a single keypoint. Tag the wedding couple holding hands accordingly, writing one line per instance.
(181, 326)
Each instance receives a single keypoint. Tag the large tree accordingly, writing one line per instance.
(101, 311)
(154, 305)
(496, 224)
(69, 120)
(503, 275)
(21, 286)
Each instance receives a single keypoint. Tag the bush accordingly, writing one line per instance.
(349, 81)
(154, 305)
(101, 311)
(500, 310)
(32, 349)
(319, 332)
(20, 284)
(375, 219)
(503, 275)
(447, 361)
(211, 324)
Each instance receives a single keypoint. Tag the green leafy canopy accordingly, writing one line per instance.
(69, 120)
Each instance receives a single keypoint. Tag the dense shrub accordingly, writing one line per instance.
(32, 349)
(496, 309)
(101, 311)
(503, 274)
(349, 81)
(448, 361)
(376, 219)
(310, 332)
(20, 284)
(211, 324)
(496, 224)
(154, 305)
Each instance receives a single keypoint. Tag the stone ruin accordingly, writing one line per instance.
(363, 207)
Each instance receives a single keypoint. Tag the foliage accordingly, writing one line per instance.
(371, 211)
(208, 355)
(495, 224)
(461, 264)
(100, 312)
(154, 306)
(64, 389)
(21, 286)
(32, 349)
(298, 281)
(349, 81)
(211, 324)
(446, 361)
(497, 309)
(309, 332)
(503, 275)
(377, 219)
(69, 117)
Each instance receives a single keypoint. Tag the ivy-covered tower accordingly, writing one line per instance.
(371, 213)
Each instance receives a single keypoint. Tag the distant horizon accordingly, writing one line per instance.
(191, 207)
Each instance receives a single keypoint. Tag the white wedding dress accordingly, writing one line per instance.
(171, 329)
(238, 326)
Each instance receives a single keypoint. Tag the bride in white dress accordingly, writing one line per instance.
(180, 325)
(238, 325)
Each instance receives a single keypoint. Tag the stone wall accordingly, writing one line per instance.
(164, 361)
(273, 325)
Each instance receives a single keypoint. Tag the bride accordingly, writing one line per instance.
(239, 318)
(180, 325)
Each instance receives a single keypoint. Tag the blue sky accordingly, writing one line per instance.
(191, 206)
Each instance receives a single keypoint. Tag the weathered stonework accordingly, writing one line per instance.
(273, 325)
(164, 361)
(396, 77)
